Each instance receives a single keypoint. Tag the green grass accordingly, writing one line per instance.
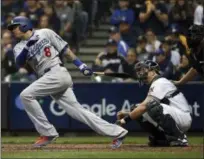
(145, 153)
(86, 154)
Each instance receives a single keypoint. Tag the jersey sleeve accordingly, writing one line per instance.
(17, 50)
(20, 54)
(56, 40)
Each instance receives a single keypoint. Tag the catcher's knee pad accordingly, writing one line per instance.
(165, 121)
(155, 110)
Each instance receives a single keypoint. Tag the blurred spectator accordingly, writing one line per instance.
(7, 57)
(44, 3)
(182, 68)
(91, 7)
(198, 13)
(123, 14)
(10, 6)
(152, 43)
(44, 22)
(142, 54)
(66, 16)
(122, 46)
(54, 21)
(11, 73)
(165, 64)
(23, 14)
(7, 19)
(102, 11)
(33, 11)
(128, 67)
(109, 61)
(154, 15)
(173, 55)
(170, 5)
(137, 6)
(181, 14)
(80, 23)
(179, 42)
(123, 18)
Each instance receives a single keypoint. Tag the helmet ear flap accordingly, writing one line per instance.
(22, 28)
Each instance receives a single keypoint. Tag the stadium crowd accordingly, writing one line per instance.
(150, 30)
(141, 29)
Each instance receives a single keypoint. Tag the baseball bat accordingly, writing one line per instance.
(119, 75)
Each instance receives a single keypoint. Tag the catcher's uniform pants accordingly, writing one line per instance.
(58, 84)
(182, 119)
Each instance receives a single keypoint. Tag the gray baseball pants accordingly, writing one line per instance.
(58, 84)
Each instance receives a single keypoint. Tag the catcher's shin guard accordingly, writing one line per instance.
(157, 137)
(165, 121)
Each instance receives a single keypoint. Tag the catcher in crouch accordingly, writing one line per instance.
(165, 113)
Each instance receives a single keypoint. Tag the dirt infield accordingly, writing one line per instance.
(96, 147)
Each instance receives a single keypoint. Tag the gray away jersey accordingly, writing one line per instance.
(163, 87)
(45, 53)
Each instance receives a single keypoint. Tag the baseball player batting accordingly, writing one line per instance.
(165, 113)
(41, 50)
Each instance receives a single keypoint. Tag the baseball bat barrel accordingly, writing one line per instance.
(99, 73)
(119, 75)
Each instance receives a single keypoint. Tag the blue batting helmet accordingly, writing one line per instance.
(23, 22)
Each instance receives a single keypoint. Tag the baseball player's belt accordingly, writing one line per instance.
(48, 69)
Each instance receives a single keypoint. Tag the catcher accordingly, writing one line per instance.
(165, 113)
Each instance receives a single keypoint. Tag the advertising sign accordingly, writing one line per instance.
(103, 99)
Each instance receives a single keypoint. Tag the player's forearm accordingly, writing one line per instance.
(133, 115)
(78, 63)
(70, 55)
(144, 16)
(137, 112)
(188, 76)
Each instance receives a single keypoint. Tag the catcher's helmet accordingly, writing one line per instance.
(143, 67)
(23, 22)
(195, 35)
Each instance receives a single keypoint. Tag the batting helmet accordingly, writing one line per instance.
(23, 22)
(143, 67)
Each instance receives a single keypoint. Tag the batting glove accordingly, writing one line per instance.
(85, 70)
(83, 67)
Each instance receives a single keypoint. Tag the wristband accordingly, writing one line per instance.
(78, 63)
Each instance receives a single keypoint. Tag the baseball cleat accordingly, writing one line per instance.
(44, 140)
(117, 142)
(178, 142)
(181, 142)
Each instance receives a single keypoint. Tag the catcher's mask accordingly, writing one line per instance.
(143, 67)
(195, 35)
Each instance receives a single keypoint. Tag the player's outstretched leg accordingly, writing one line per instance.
(45, 129)
(51, 83)
(69, 102)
